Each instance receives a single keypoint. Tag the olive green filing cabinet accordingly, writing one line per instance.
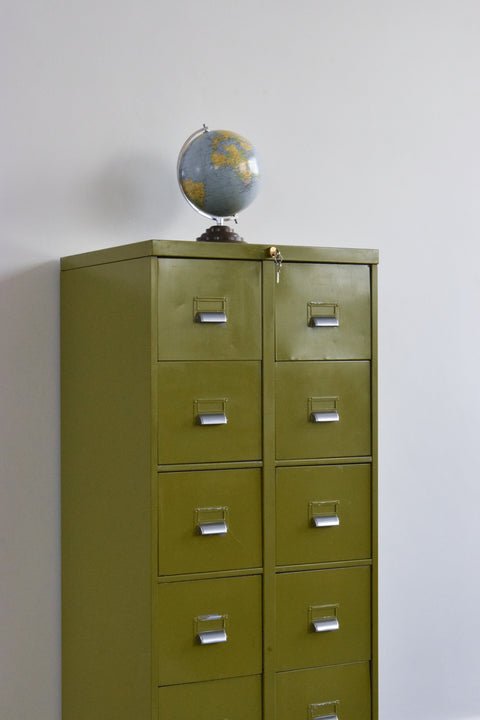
(219, 483)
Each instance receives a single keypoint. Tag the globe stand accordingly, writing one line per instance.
(220, 233)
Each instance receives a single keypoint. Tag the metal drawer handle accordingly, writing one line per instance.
(326, 625)
(327, 416)
(213, 528)
(211, 317)
(327, 321)
(323, 711)
(320, 521)
(211, 419)
(210, 637)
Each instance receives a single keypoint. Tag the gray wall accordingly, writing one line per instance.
(367, 116)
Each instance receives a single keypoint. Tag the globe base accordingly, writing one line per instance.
(220, 233)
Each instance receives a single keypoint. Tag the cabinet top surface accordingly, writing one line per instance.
(225, 251)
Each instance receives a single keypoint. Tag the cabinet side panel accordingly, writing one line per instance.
(374, 291)
(106, 489)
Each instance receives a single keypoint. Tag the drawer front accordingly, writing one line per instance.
(323, 514)
(323, 617)
(209, 520)
(342, 691)
(235, 699)
(209, 309)
(334, 394)
(323, 312)
(209, 629)
(224, 395)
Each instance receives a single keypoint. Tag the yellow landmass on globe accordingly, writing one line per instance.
(235, 158)
(219, 136)
(195, 191)
(222, 135)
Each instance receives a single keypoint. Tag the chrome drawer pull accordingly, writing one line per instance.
(211, 317)
(211, 419)
(326, 625)
(213, 528)
(325, 717)
(328, 416)
(209, 637)
(326, 521)
(324, 322)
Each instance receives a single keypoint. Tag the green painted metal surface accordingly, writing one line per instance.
(323, 514)
(306, 597)
(225, 251)
(192, 509)
(235, 699)
(187, 607)
(140, 473)
(322, 312)
(303, 388)
(187, 390)
(309, 694)
(107, 550)
(191, 290)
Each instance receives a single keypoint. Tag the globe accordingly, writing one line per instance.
(218, 173)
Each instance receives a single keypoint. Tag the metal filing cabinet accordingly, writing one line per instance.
(219, 473)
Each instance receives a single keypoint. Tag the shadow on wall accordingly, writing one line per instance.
(30, 487)
(29, 364)
(134, 191)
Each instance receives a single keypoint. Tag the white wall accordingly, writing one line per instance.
(367, 115)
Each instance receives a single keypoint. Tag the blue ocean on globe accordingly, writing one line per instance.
(219, 173)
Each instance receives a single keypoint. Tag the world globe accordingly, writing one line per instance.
(218, 173)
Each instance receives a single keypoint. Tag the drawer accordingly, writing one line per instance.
(209, 629)
(334, 394)
(209, 309)
(209, 520)
(227, 394)
(322, 312)
(323, 514)
(323, 617)
(342, 691)
(235, 699)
